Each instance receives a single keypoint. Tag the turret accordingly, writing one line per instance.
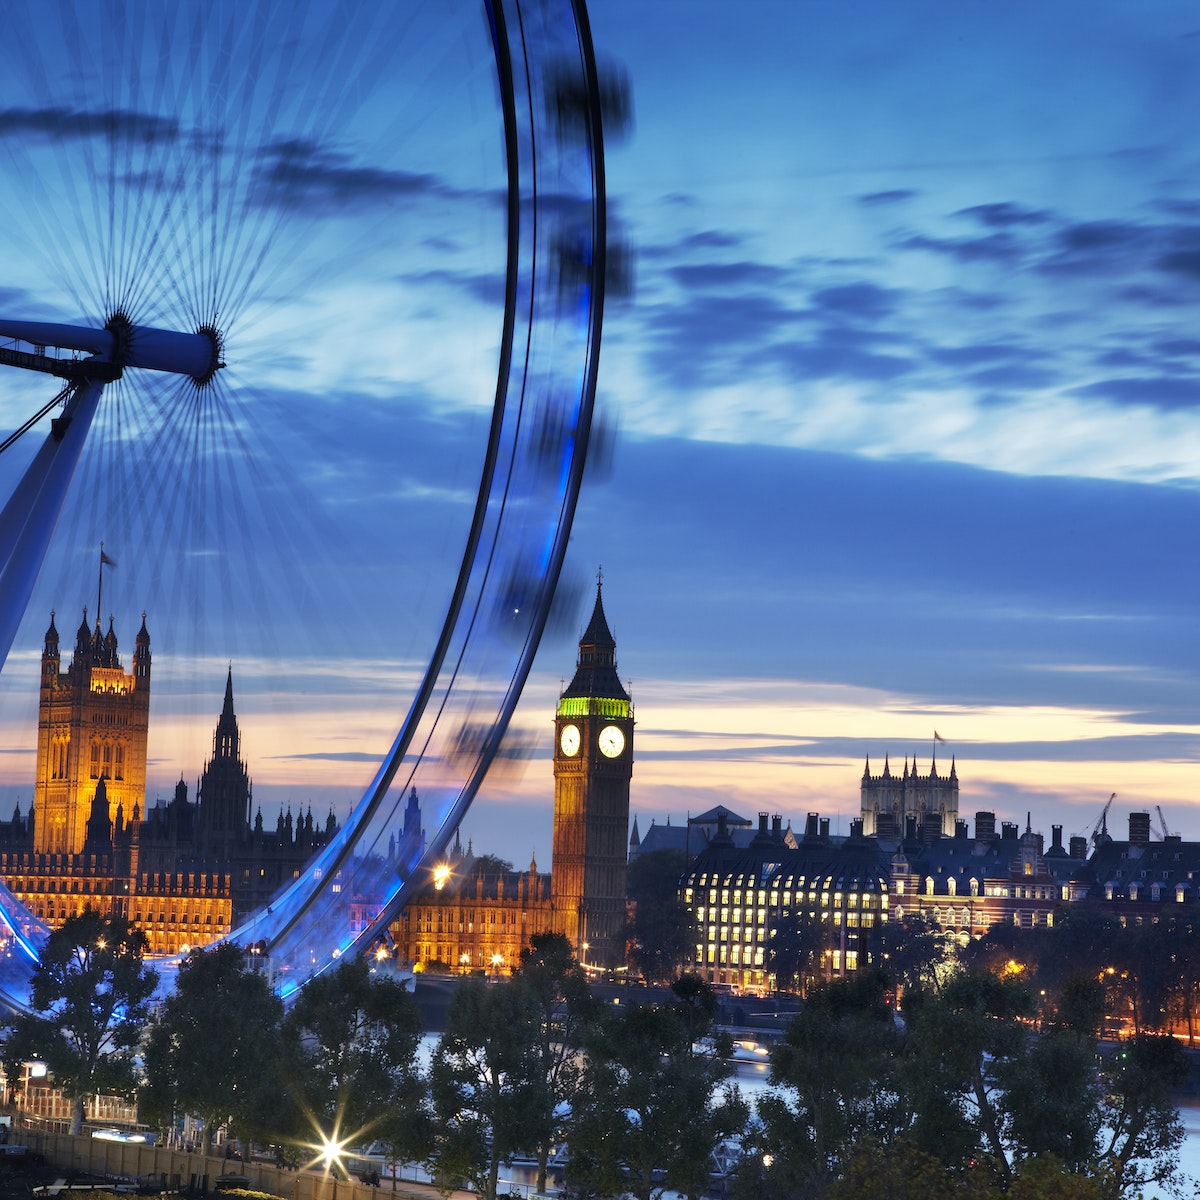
(51, 658)
(141, 655)
(83, 639)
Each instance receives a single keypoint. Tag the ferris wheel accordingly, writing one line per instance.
(265, 263)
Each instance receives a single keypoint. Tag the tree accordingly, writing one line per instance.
(489, 1090)
(960, 1040)
(214, 1046)
(1141, 1127)
(90, 997)
(796, 946)
(839, 1065)
(982, 1085)
(663, 930)
(912, 950)
(647, 1120)
(902, 1172)
(350, 1046)
(1050, 1100)
(556, 983)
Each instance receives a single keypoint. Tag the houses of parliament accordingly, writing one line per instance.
(185, 872)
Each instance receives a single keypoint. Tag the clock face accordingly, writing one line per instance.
(569, 740)
(611, 741)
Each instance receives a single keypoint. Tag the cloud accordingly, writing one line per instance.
(488, 289)
(1164, 391)
(1003, 214)
(894, 196)
(861, 300)
(714, 275)
(827, 359)
(996, 247)
(60, 124)
(1182, 262)
(981, 353)
(301, 174)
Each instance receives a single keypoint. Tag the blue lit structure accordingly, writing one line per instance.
(533, 465)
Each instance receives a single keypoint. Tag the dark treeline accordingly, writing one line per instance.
(991, 1080)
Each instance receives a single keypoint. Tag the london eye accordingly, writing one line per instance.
(227, 232)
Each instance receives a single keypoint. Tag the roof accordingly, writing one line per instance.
(713, 815)
(596, 669)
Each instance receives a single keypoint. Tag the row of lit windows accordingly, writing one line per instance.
(161, 919)
(715, 957)
(851, 899)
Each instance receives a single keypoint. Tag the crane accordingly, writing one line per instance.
(1162, 822)
(1100, 832)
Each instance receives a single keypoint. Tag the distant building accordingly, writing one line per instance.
(742, 897)
(184, 873)
(890, 802)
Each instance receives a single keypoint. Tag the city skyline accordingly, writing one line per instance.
(905, 402)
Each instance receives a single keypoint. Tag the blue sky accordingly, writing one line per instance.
(905, 403)
(908, 401)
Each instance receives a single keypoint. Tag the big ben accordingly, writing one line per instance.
(593, 764)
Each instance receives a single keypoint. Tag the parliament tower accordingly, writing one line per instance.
(93, 720)
(593, 764)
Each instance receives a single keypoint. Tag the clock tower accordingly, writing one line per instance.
(593, 764)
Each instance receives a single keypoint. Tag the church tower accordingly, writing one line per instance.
(93, 721)
(593, 764)
(224, 796)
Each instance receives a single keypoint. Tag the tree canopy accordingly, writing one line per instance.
(90, 996)
(213, 1048)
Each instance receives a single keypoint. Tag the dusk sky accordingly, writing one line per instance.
(905, 414)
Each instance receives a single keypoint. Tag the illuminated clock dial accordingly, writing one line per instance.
(611, 741)
(569, 740)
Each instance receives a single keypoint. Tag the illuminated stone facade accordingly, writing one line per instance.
(909, 804)
(593, 766)
(474, 916)
(184, 873)
(93, 720)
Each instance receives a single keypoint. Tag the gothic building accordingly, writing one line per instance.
(475, 915)
(898, 806)
(593, 765)
(184, 873)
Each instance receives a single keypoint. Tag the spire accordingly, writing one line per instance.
(887, 767)
(227, 739)
(596, 668)
(953, 770)
(635, 839)
(141, 654)
(597, 633)
(51, 639)
(867, 770)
